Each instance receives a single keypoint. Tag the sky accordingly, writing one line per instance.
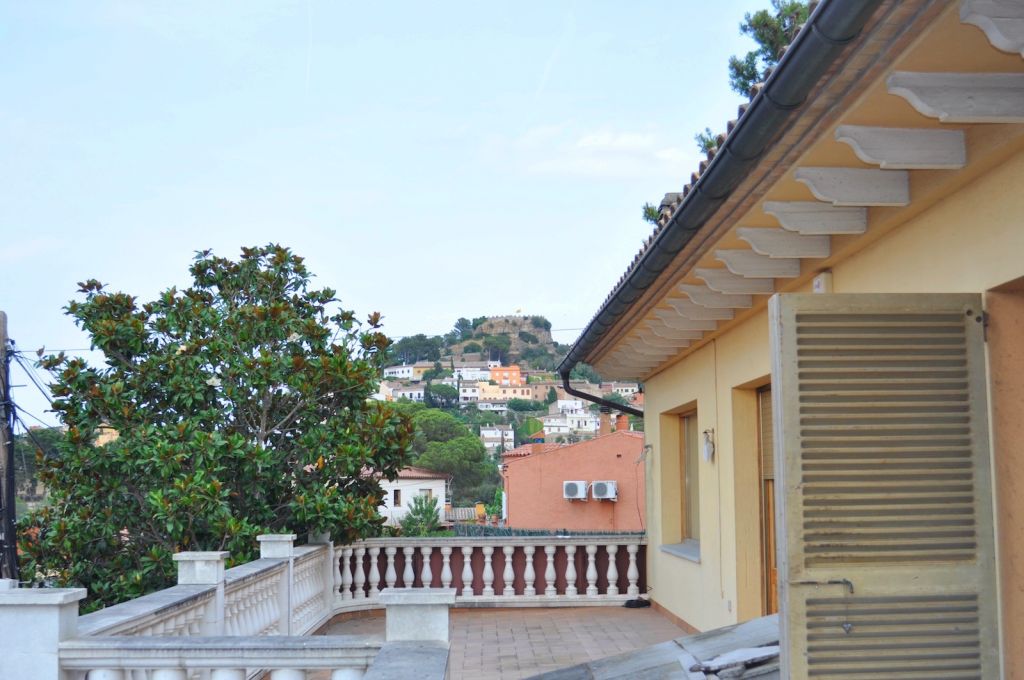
(429, 160)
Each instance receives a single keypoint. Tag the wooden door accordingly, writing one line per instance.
(883, 487)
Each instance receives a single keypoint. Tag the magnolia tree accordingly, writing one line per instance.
(241, 406)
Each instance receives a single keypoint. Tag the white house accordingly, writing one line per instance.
(410, 392)
(497, 436)
(493, 406)
(555, 425)
(411, 482)
(567, 406)
(469, 392)
(471, 373)
(403, 372)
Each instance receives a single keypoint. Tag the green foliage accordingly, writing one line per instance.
(31, 451)
(415, 348)
(494, 507)
(706, 141)
(472, 348)
(526, 429)
(433, 425)
(539, 358)
(463, 328)
(477, 321)
(551, 397)
(772, 30)
(540, 323)
(527, 405)
(441, 396)
(650, 213)
(497, 346)
(466, 461)
(243, 407)
(586, 372)
(423, 517)
(528, 337)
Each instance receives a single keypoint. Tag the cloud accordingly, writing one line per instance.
(607, 152)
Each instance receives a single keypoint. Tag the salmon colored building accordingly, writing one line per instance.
(534, 485)
(509, 376)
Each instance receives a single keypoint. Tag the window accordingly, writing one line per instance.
(397, 498)
(429, 493)
(690, 482)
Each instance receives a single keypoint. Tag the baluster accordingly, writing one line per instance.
(374, 572)
(591, 569)
(407, 573)
(389, 574)
(613, 570)
(633, 574)
(169, 674)
(446, 567)
(488, 552)
(346, 574)
(337, 580)
(426, 574)
(467, 571)
(549, 571)
(529, 576)
(507, 574)
(360, 575)
(106, 674)
(570, 570)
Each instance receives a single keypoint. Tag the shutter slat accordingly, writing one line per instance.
(882, 482)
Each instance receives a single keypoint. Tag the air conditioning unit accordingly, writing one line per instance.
(605, 490)
(575, 490)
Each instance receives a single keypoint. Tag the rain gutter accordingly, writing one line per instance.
(831, 26)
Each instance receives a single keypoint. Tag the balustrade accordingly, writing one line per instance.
(563, 570)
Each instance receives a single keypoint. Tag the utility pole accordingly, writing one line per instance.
(8, 542)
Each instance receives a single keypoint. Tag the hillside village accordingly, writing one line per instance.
(495, 372)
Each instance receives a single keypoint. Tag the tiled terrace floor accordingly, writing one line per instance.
(492, 644)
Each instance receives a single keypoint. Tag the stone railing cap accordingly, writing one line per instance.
(198, 555)
(275, 537)
(418, 596)
(40, 596)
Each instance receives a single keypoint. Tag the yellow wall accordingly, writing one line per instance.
(969, 242)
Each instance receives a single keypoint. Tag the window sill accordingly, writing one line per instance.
(688, 550)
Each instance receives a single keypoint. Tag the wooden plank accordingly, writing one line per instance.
(705, 297)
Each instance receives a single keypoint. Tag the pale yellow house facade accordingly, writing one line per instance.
(830, 344)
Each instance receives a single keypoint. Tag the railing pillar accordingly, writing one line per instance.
(570, 570)
(529, 575)
(346, 573)
(632, 573)
(390, 575)
(446, 567)
(488, 552)
(281, 546)
(550, 589)
(360, 575)
(467, 571)
(374, 581)
(205, 568)
(508, 575)
(34, 622)
(613, 570)
(417, 613)
(591, 569)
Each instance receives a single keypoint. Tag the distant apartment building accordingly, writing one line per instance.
(623, 389)
(489, 392)
(402, 372)
(410, 392)
(499, 407)
(469, 392)
(471, 373)
(497, 437)
(508, 376)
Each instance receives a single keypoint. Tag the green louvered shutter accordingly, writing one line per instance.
(883, 487)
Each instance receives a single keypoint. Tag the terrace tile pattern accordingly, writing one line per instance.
(501, 644)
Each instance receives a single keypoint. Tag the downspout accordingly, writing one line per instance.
(600, 401)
